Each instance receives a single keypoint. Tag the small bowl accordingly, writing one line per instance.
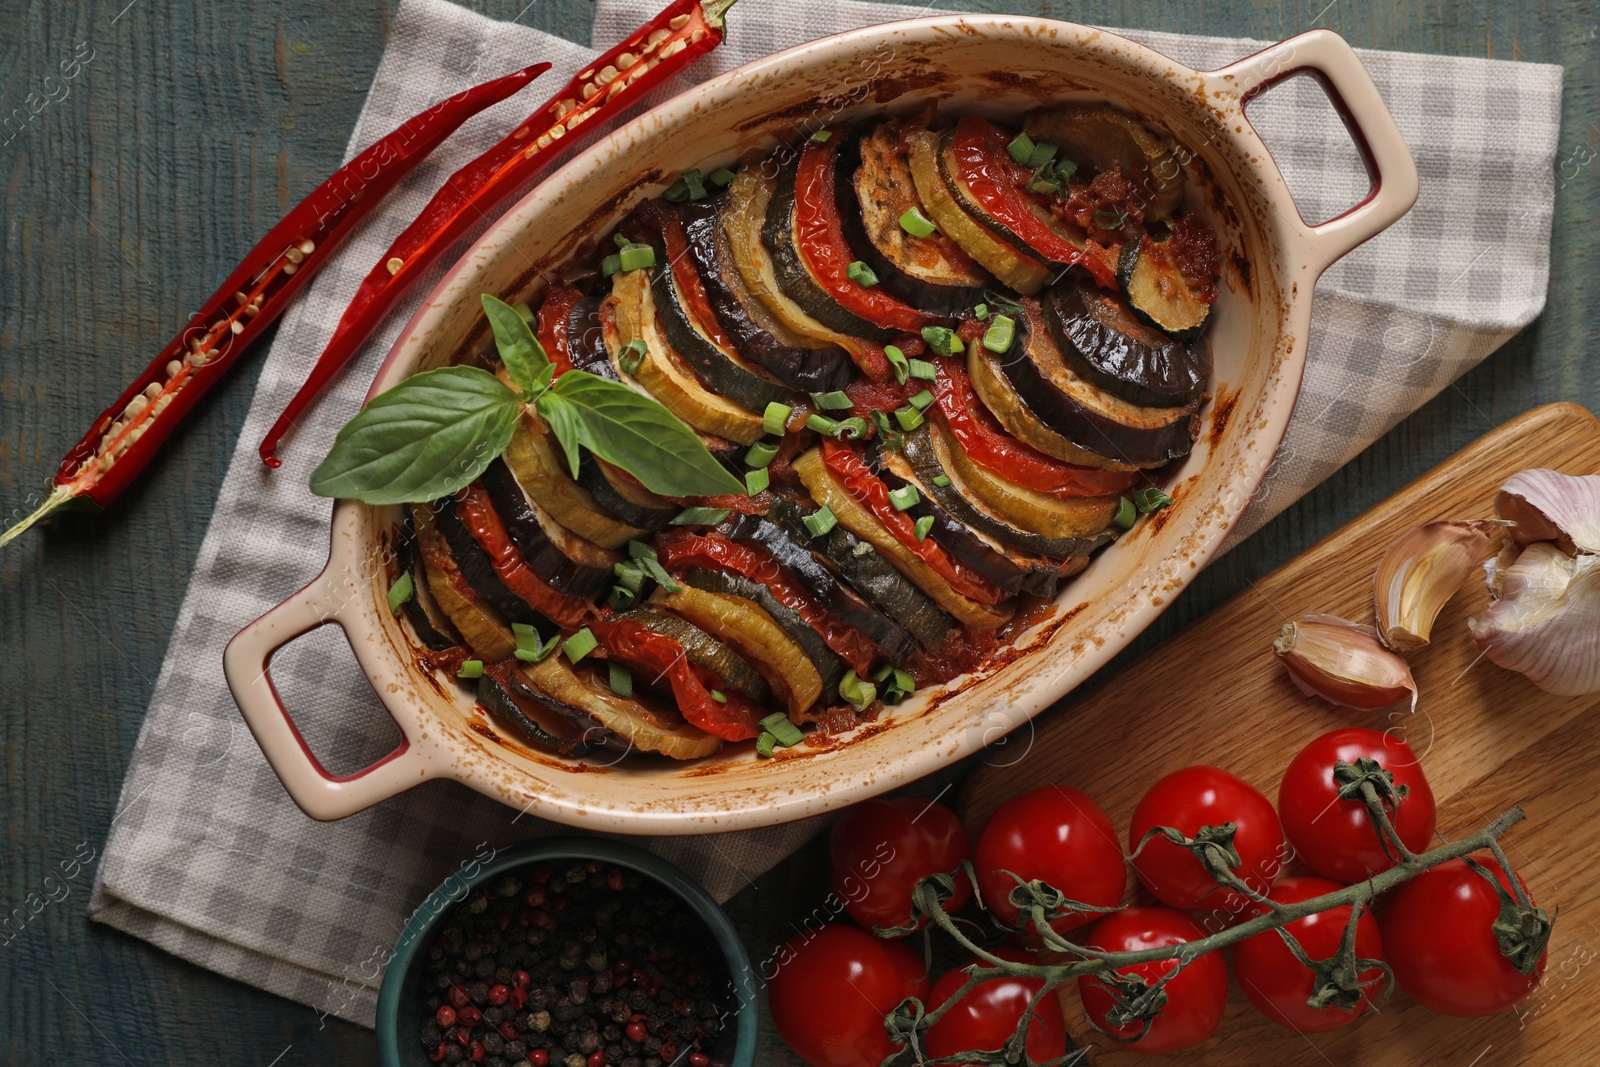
(400, 998)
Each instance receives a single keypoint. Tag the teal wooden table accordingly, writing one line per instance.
(130, 189)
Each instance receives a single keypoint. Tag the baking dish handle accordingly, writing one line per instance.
(1329, 58)
(319, 794)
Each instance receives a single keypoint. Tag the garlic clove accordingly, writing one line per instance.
(1545, 620)
(1343, 663)
(1419, 574)
(1546, 505)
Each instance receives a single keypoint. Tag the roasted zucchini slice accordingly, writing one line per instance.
(1099, 137)
(564, 561)
(1160, 295)
(636, 721)
(431, 625)
(483, 628)
(542, 474)
(536, 718)
(703, 650)
(830, 668)
(474, 564)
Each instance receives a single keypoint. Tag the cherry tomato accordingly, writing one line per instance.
(1336, 837)
(1195, 996)
(831, 989)
(1056, 835)
(880, 849)
(987, 1016)
(1279, 984)
(1205, 796)
(1436, 930)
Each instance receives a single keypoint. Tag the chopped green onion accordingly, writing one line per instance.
(523, 311)
(722, 177)
(699, 517)
(1110, 220)
(909, 418)
(525, 630)
(778, 725)
(529, 648)
(838, 400)
(942, 340)
(1001, 332)
(1021, 148)
(901, 687)
(1065, 169)
(980, 312)
(823, 425)
(470, 668)
(916, 223)
(677, 192)
(923, 527)
(662, 578)
(719, 696)
(819, 522)
(637, 257)
(691, 179)
(757, 480)
(861, 274)
(892, 438)
(579, 645)
(776, 417)
(765, 744)
(1043, 180)
(1002, 302)
(821, 136)
(897, 360)
(761, 453)
(631, 358)
(620, 240)
(620, 680)
(883, 672)
(1042, 153)
(857, 692)
(921, 400)
(640, 550)
(904, 498)
(921, 368)
(1126, 514)
(941, 480)
(622, 598)
(610, 265)
(401, 591)
(852, 428)
(1150, 499)
(629, 574)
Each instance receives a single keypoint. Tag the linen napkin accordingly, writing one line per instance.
(208, 857)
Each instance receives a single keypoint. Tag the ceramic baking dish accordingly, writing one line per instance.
(995, 65)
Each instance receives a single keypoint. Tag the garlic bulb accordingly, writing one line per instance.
(1420, 573)
(1343, 663)
(1544, 620)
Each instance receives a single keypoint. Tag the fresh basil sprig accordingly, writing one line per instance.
(437, 431)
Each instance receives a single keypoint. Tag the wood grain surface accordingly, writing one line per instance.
(1488, 739)
(137, 186)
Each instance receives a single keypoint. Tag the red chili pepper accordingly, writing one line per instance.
(997, 183)
(682, 33)
(714, 552)
(821, 242)
(986, 444)
(658, 656)
(125, 436)
(483, 522)
(871, 493)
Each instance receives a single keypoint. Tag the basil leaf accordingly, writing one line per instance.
(626, 428)
(566, 422)
(425, 438)
(519, 349)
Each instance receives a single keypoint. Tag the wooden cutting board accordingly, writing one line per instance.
(1488, 740)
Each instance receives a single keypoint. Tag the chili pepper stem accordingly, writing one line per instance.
(60, 498)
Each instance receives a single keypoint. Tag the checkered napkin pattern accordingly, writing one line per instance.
(209, 859)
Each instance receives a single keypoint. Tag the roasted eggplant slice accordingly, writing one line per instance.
(719, 370)
(1109, 347)
(475, 566)
(1019, 270)
(859, 520)
(564, 561)
(874, 190)
(637, 722)
(830, 668)
(1098, 137)
(542, 474)
(923, 461)
(586, 339)
(483, 628)
(832, 593)
(869, 574)
(1159, 294)
(800, 362)
(755, 635)
(431, 625)
(624, 498)
(1029, 509)
(1085, 414)
(661, 373)
(537, 718)
(703, 650)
